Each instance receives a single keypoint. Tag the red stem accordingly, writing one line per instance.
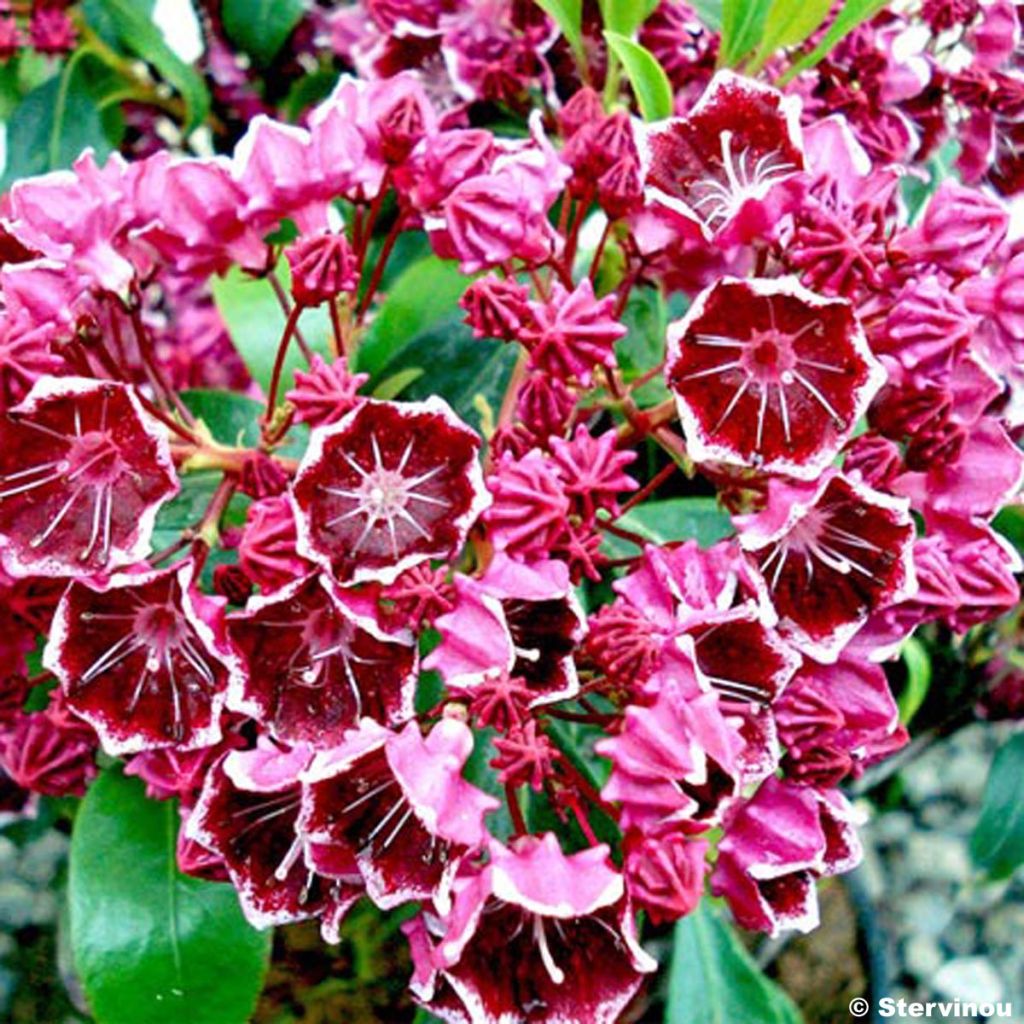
(378, 270)
(287, 308)
(290, 327)
(516, 812)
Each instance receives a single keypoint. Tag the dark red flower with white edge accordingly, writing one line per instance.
(775, 847)
(733, 165)
(396, 804)
(247, 814)
(518, 620)
(769, 375)
(535, 932)
(387, 487)
(826, 556)
(83, 473)
(308, 661)
(141, 657)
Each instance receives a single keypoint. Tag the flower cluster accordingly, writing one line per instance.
(401, 658)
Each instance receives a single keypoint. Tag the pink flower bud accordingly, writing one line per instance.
(323, 267)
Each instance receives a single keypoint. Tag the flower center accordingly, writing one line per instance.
(160, 628)
(94, 459)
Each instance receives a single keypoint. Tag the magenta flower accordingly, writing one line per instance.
(732, 166)
(572, 332)
(267, 551)
(323, 267)
(537, 928)
(593, 470)
(326, 392)
(396, 805)
(827, 555)
(665, 872)
(530, 505)
(140, 656)
(519, 620)
(768, 375)
(387, 487)
(26, 355)
(775, 846)
(310, 660)
(83, 473)
(678, 758)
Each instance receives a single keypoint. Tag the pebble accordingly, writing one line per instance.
(17, 903)
(922, 956)
(939, 857)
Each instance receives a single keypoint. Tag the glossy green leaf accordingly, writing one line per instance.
(714, 980)
(852, 14)
(152, 946)
(643, 347)
(256, 322)
(788, 23)
(231, 418)
(470, 373)
(261, 27)
(393, 386)
(673, 519)
(743, 24)
(997, 845)
(424, 293)
(56, 121)
(626, 16)
(650, 84)
(918, 664)
(138, 34)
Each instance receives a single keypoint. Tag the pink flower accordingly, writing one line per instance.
(443, 161)
(387, 487)
(960, 230)
(51, 31)
(397, 806)
(732, 165)
(310, 660)
(593, 470)
(323, 266)
(769, 375)
(775, 846)
(665, 873)
(495, 307)
(83, 473)
(25, 356)
(529, 507)
(518, 620)
(678, 758)
(246, 814)
(326, 392)
(571, 332)
(826, 555)
(836, 719)
(267, 551)
(46, 756)
(536, 928)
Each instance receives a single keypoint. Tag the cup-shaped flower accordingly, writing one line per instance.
(140, 656)
(83, 473)
(387, 487)
(768, 375)
(309, 661)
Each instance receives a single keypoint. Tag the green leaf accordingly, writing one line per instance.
(393, 386)
(997, 844)
(256, 322)
(714, 980)
(137, 33)
(673, 519)
(919, 677)
(471, 374)
(568, 16)
(626, 16)
(853, 13)
(56, 121)
(424, 293)
(743, 24)
(231, 418)
(647, 77)
(261, 27)
(643, 347)
(788, 23)
(150, 945)
(709, 12)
